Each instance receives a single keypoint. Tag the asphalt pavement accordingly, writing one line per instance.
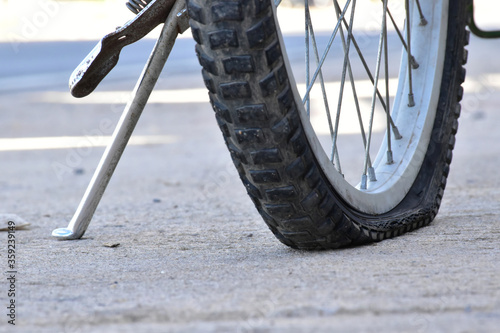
(177, 246)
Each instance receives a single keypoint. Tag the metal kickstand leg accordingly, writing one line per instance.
(176, 23)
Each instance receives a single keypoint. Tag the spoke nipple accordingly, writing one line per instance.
(371, 174)
(363, 182)
(411, 101)
(390, 160)
(396, 133)
(414, 63)
(423, 22)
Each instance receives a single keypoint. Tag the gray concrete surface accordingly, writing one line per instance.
(193, 254)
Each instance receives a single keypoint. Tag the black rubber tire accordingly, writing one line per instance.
(248, 85)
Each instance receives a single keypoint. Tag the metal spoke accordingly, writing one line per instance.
(395, 130)
(411, 101)
(307, 22)
(344, 72)
(363, 185)
(423, 21)
(353, 85)
(414, 62)
(390, 159)
(323, 90)
(325, 53)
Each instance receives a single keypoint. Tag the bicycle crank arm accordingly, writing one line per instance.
(103, 58)
(83, 215)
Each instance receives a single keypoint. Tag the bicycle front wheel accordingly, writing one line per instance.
(347, 136)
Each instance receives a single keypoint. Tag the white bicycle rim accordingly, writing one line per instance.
(393, 181)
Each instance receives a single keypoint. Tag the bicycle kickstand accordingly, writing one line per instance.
(98, 65)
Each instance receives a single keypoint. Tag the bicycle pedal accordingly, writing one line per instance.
(103, 58)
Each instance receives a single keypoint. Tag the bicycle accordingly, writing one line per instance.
(288, 155)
